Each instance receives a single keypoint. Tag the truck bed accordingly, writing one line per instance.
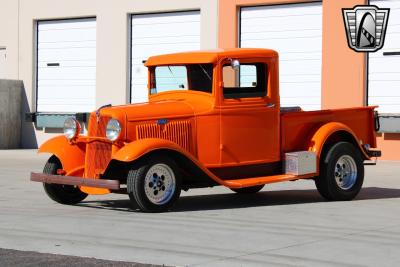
(295, 123)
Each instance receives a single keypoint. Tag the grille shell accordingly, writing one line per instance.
(98, 153)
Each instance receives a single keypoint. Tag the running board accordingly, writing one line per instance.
(239, 183)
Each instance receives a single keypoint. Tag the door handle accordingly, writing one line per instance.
(394, 53)
(270, 105)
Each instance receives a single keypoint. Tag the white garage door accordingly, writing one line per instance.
(295, 31)
(154, 34)
(66, 65)
(384, 65)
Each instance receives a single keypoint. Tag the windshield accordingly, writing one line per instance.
(195, 77)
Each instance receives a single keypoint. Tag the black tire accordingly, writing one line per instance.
(137, 185)
(333, 183)
(64, 194)
(248, 190)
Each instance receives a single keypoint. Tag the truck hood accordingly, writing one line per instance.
(153, 110)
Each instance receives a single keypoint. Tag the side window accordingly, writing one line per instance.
(249, 80)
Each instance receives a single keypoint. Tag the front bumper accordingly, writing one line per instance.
(78, 181)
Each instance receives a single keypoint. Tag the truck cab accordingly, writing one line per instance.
(213, 118)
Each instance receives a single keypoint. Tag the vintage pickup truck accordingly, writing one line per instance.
(213, 118)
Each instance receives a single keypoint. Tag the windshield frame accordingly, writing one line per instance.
(210, 74)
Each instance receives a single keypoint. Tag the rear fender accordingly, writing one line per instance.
(72, 156)
(321, 136)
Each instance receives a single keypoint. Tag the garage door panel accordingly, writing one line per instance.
(78, 54)
(166, 18)
(170, 40)
(165, 48)
(71, 35)
(80, 91)
(380, 76)
(62, 106)
(298, 34)
(294, 26)
(311, 67)
(300, 90)
(384, 71)
(81, 23)
(154, 34)
(64, 45)
(69, 63)
(161, 30)
(69, 86)
(385, 88)
(284, 46)
(294, 101)
(281, 11)
(393, 101)
(79, 73)
(295, 31)
(67, 83)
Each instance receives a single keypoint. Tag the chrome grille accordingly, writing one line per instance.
(179, 132)
(98, 153)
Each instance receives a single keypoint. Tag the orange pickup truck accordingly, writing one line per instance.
(213, 118)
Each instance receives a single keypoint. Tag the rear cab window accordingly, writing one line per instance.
(249, 80)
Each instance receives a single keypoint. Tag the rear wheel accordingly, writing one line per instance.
(154, 186)
(341, 172)
(248, 190)
(64, 194)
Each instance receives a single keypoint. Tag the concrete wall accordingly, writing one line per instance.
(112, 43)
(10, 113)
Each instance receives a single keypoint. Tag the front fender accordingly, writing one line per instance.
(140, 148)
(320, 137)
(72, 156)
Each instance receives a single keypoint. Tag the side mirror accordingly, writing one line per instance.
(235, 64)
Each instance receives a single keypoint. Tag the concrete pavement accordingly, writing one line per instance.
(286, 224)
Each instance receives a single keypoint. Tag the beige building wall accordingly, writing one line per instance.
(112, 72)
(9, 36)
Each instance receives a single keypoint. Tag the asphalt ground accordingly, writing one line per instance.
(12, 258)
(287, 224)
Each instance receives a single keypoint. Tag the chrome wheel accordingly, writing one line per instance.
(160, 184)
(345, 172)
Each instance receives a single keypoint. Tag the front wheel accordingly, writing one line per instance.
(64, 194)
(154, 186)
(341, 172)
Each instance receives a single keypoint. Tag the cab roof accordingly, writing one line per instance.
(208, 56)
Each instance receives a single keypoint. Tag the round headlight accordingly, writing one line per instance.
(113, 130)
(71, 128)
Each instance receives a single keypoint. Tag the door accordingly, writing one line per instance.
(295, 32)
(66, 65)
(249, 118)
(155, 34)
(384, 65)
